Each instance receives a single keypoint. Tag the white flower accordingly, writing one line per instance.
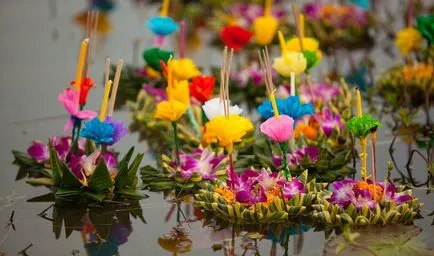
(290, 62)
(214, 107)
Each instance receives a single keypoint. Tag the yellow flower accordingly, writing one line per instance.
(170, 110)
(309, 44)
(227, 130)
(418, 73)
(179, 91)
(264, 29)
(290, 62)
(184, 69)
(408, 40)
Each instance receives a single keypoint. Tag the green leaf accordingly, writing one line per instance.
(123, 168)
(89, 147)
(69, 179)
(40, 181)
(96, 197)
(57, 174)
(22, 158)
(65, 193)
(130, 193)
(49, 197)
(130, 179)
(100, 182)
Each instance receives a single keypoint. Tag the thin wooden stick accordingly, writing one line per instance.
(115, 87)
(228, 74)
(107, 70)
(222, 74)
(295, 13)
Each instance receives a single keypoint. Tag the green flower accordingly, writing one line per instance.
(425, 25)
(363, 125)
(312, 59)
(153, 56)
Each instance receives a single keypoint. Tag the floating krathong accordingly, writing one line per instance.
(81, 168)
(259, 197)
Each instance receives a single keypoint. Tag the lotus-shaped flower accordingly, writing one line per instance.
(235, 37)
(214, 107)
(184, 69)
(278, 129)
(202, 87)
(162, 26)
(170, 110)
(153, 56)
(264, 28)
(290, 106)
(70, 101)
(290, 62)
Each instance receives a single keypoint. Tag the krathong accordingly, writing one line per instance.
(81, 168)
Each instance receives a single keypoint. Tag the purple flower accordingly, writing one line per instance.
(312, 10)
(62, 145)
(357, 16)
(321, 91)
(203, 162)
(390, 194)
(343, 193)
(38, 151)
(74, 165)
(111, 161)
(119, 129)
(361, 198)
(255, 194)
(268, 179)
(329, 121)
(292, 187)
(84, 166)
(159, 93)
(297, 157)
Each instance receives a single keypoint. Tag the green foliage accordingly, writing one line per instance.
(363, 125)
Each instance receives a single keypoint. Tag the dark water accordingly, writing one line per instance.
(38, 49)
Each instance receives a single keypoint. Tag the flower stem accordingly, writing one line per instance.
(284, 149)
(374, 160)
(231, 159)
(175, 137)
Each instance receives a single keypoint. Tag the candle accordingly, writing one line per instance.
(359, 103)
(115, 87)
(267, 7)
(169, 74)
(164, 8)
(80, 64)
(282, 42)
(104, 101)
(292, 84)
(301, 23)
(274, 105)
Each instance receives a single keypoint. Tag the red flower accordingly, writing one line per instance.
(202, 87)
(86, 84)
(235, 37)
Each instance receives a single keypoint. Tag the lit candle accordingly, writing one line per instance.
(267, 7)
(164, 8)
(80, 64)
(274, 105)
(301, 23)
(111, 105)
(292, 84)
(283, 48)
(105, 101)
(359, 103)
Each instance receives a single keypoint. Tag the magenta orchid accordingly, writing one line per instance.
(330, 122)
(322, 92)
(83, 166)
(297, 157)
(70, 101)
(292, 187)
(38, 151)
(203, 162)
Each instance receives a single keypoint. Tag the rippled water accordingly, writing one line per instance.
(38, 48)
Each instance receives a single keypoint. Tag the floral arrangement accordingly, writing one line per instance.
(81, 167)
(259, 197)
(338, 26)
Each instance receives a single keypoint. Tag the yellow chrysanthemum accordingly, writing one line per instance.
(227, 130)
(290, 62)
(407, 40)
(184, 69)
(418, 73)
(264, 29)
(179, 92)
(170, 110)
(309, 44)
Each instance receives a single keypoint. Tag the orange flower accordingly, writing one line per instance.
(229, 196)
(376, 190)
(309, 130)
(419, 72)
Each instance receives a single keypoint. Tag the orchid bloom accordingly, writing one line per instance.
(329, 122)
(38, 151)
(70, 101)
(203, 162)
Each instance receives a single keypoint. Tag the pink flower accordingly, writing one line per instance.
(38, 151)
(278, 130)
(70, 101)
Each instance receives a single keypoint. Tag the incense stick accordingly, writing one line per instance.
(107, 70)
(115, 87)
(295, 13)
